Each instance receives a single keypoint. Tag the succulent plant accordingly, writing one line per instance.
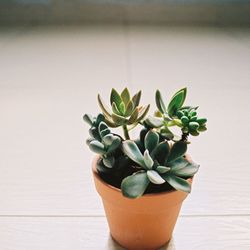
(125, 110)
(157, 156)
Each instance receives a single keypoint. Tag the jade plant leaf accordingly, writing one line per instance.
(178, 149)
(132, 151)
(161, 152)
(148, 160)
(151, 140)
(135, 185)
(177, 101)
(189, 170)
(89, 119)
(154, 177)
(97, 147)
(177, 183)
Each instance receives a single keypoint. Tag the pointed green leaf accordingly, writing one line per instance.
(136, 98)
(135, 185)
(125, 95)
(115, 97)
(103, 107)
(154, 177)
(89, 119)
(129, 108)
(122, 108)
(115, 109)
(162, 169)
(178, 149)
(132, 151)
(151, 140)
(177, 101)
(161, 152)
(159, 102)
(97, 147)
(134, 116)
(148, 160)
(178, 183)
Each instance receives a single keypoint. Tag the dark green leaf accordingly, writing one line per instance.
(115, 109)
(162, 169)
(129, 108)
(135, 185)
(161, 152)
(151, 140)
(178, 149)
(159, 102)
(178, 183)
(109, 162)
(89, 119)
(132, 151)
(201, 121)
(193, 125)
(97, 147)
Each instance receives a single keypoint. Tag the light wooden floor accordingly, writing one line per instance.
(49, 78)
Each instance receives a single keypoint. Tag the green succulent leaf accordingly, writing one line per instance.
(115, 109)
(105, 132)
(194, 133)
(151, 140)
(115, 97)
(102, 127)
(201, 121)
(154, 122)
(178, 183)
(154, 177)
(193, 125)
(176, 122)
(122, 108)
(202, 128)
(162, 169)
(134, 116)
(129, 108)
(132, 151)
(189, 170)
(148, 160)
(89, 119)
(135, 185)
(178, 149)
(161, 152)
(136, 98)
(109, 162)
(178, 164)
(177, 101)
(159, 102)
(103, 107)
(97, 147)
(184, 120)
(115, 144)
(125, 95)
(100, 118)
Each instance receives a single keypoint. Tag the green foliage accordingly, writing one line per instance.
(157, 157)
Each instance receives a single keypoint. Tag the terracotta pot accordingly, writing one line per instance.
(143, 223)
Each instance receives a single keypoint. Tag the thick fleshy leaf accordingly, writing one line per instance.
(115, 109)
(177, 183)
(115, 97)
(132, 151)
(193, 125)
(154, 122)
(93, 132)
(165, 132)
(136, 98)
(125, 95)
(177, 101)
(100, 118)
(119, 120)
(148, 160)
(159, 102)
(151, 140)
(162, 169)
(178, 149)
(134, 116)
(102, 126)
(135, 185)
(178, 164)
(122, 108)
(89, 119)
(154, 177)
(115, 144)
(201, 121)
(105, 132)
(103, 107)
(97, 147)
(161, 152)
(109, 162)
(189, 170)
(129, 108)
(143, 112)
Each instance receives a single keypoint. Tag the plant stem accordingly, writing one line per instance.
(184, 136)
(125, 131)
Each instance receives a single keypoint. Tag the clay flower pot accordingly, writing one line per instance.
(143, 223)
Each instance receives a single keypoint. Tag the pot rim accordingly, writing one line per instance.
(118, 190)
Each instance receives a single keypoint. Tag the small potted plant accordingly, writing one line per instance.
(143, 181)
